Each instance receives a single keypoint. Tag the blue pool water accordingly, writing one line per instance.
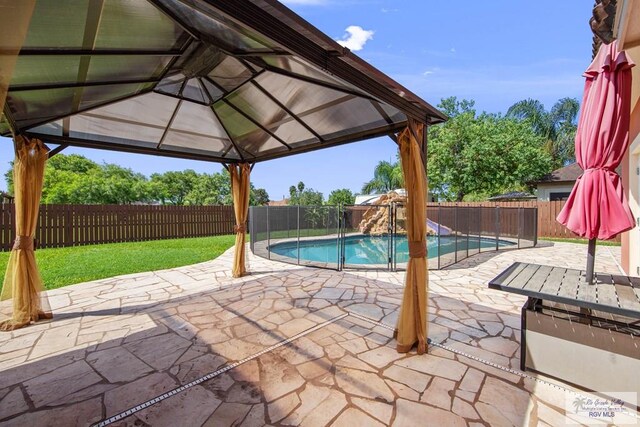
(375, 249)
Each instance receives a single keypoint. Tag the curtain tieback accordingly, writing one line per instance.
(417, 249)
(240, 228)
(23, 243)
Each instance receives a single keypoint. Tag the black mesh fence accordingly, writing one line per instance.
(374, 237)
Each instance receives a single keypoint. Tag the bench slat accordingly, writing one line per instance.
(626, 297)
(569, 288)
(539, 278)
(525, 275)
(586, 291)
(554, 281)
(516, 271)
(635, 282)
(606, 291)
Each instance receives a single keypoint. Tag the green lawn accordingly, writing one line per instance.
(65, 266)
(583, 241)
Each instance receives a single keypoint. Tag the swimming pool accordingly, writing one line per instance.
(374, 250)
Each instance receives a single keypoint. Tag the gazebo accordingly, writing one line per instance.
(234, 82)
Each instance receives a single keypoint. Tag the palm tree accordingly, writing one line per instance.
(557, 127)
(387, 176)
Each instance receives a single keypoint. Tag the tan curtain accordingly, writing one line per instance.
(240, 188)
(22, 280)
(14, 23)
(412, 321)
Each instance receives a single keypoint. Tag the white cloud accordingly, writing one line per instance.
(385, 10)
(355, 38)
(452, 50)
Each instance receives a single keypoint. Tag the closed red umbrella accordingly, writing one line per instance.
(597, 206)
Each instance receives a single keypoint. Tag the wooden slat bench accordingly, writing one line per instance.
(587, 335)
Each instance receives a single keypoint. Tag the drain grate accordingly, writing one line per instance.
(212, 375)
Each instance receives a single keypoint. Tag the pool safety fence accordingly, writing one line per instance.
(374, 236)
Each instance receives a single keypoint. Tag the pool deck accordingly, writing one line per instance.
(285, 345)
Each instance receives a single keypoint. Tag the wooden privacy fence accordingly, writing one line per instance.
(74, 225)
(547, 212)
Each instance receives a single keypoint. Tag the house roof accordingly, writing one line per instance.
(366, 199)
(226, 81)
(566, 174)
(283, 202)
(602, 23)
(513, 195)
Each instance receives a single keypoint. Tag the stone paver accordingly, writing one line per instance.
(119, 342)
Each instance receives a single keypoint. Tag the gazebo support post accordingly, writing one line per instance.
(240, 190)
(22, 281)
(412, 320)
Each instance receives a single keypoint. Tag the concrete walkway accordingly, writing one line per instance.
(285, 345)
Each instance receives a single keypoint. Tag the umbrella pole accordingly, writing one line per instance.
(591, 257)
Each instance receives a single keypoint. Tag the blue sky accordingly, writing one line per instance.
(495, 52)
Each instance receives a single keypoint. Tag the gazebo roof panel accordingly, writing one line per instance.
(245, 80)
(125, 24)
(178, 140)
(100, 129)
(190, 117)
(52, 25)
(299, 96)
(230, 74)
(30, 108)
(149, 109)
(210, 26)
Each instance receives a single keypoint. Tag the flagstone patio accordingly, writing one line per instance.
(285, 345)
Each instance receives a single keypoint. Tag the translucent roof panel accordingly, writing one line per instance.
(246, 133)
(150, 109)
(98, 129)
(203, 143)
(125, 24)
(53, 25)
(290, 64)
(299, 96)
(194, 91)
(230, 74)
(266, 111)
(128, 67)
(118, 24)
(221, 81)
(210, 26)
(354, 113)
(197, 118)
(33, 107)
(32, 70)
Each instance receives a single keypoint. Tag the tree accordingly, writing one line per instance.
(75, 179)
(342, 196)
(173, 187)
(557, 127)
(78, 180)
(476, 156)
(214, 189)
(310, 197)
(121, 185)
(260, 197)
(387, 176)
(304, 196)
